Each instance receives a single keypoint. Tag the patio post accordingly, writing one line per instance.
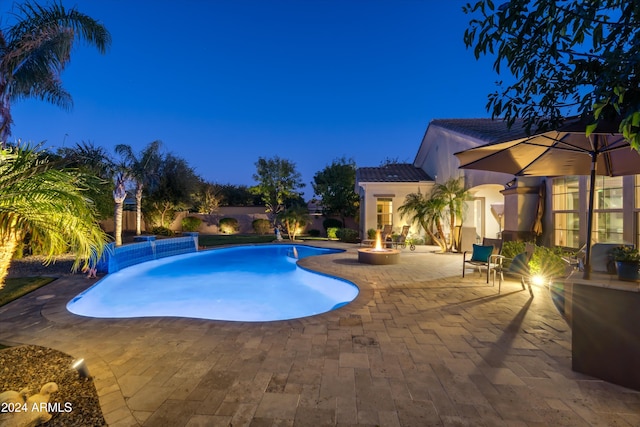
(592, 187)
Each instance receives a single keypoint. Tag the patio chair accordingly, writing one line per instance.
(402, 238)
(518, 265)
(385, 234)
(483, 256)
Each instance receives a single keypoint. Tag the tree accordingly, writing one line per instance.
(294, 218)
(453, 194)
(120, 178)
(143, 170)
(335, 185)
(278, 181)
(93, 160)
(207, 198)
(40, 199)
(566, 58)
(428, 212)
(35, 50)
(177, 183)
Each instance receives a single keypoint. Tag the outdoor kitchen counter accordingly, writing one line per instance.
(604, 314)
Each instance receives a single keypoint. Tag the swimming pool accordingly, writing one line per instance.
(244, 283)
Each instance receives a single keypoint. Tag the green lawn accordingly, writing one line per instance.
(209, 240)
(15, 288)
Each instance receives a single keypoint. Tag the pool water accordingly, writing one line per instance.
(247, 283)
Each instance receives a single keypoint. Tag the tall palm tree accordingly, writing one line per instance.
(454, 195)
(48, 203)
(143, 169)
(428, 212)
(120, 179)
(35, 50)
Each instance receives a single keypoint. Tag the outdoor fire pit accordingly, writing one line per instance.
(378, 255)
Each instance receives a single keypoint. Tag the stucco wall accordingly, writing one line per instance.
(397, 191)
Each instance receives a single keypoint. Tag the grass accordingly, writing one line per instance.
(209, 240)
(15, 288)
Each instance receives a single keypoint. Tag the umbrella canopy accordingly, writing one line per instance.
(562, 152)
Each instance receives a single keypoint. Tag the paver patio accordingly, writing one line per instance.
(419, 346)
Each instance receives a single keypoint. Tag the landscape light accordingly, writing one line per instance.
(538, 280)
(81, 367)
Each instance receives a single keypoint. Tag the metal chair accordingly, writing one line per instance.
(483, 256)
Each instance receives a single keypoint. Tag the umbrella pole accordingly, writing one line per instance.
(592, 187)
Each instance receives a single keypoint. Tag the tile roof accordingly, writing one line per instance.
(394, 172)
(489, 130)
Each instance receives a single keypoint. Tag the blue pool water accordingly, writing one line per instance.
(247, 283)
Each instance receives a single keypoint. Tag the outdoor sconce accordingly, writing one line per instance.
(82, 369)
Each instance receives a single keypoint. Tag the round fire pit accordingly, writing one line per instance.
(378, 256)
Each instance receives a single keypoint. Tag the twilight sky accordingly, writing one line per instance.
(223, 82)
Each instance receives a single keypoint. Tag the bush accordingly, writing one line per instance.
(261, 226)
(162, 231)
(191, 223)
(347, 235)
(314, 232)
(332, 232)
(331, 223)
(371, 233)
(228, 225)
(547, 262)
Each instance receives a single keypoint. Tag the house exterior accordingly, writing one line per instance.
(383, 189)
(500, 205)
(506, 206)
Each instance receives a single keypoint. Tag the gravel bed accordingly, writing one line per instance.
(32, 366)
(35, 266)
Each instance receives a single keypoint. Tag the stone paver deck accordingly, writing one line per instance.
(420, 346)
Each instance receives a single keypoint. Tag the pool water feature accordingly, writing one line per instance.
(245, 283)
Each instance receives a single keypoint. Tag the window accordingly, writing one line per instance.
(566, 211)
(608, 222)
(637, 205)
(567, 230)
(385, 212)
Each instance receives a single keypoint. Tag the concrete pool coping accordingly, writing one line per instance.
(418, 346)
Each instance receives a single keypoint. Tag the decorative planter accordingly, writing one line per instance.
(628, 271)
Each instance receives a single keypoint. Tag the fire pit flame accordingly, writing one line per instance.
(378, 245)
(378, 254)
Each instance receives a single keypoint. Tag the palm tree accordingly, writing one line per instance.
(94, 160)
(428, 212)
(46, 202)
(120, 179)
(35, 50)
(143, 169)
(454, 195)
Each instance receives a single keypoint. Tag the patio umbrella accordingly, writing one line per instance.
(537, 222)
(566, 151)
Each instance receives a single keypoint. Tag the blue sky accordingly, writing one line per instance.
(223, 82)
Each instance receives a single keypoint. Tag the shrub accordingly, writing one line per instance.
(332, 232)
(261, 226)
(228, 225)
(331, 223)
(545, 261)
(371, 233)
(548, 262)
(314, 232)
(191, 223)
(161, 231)
(347, 235)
